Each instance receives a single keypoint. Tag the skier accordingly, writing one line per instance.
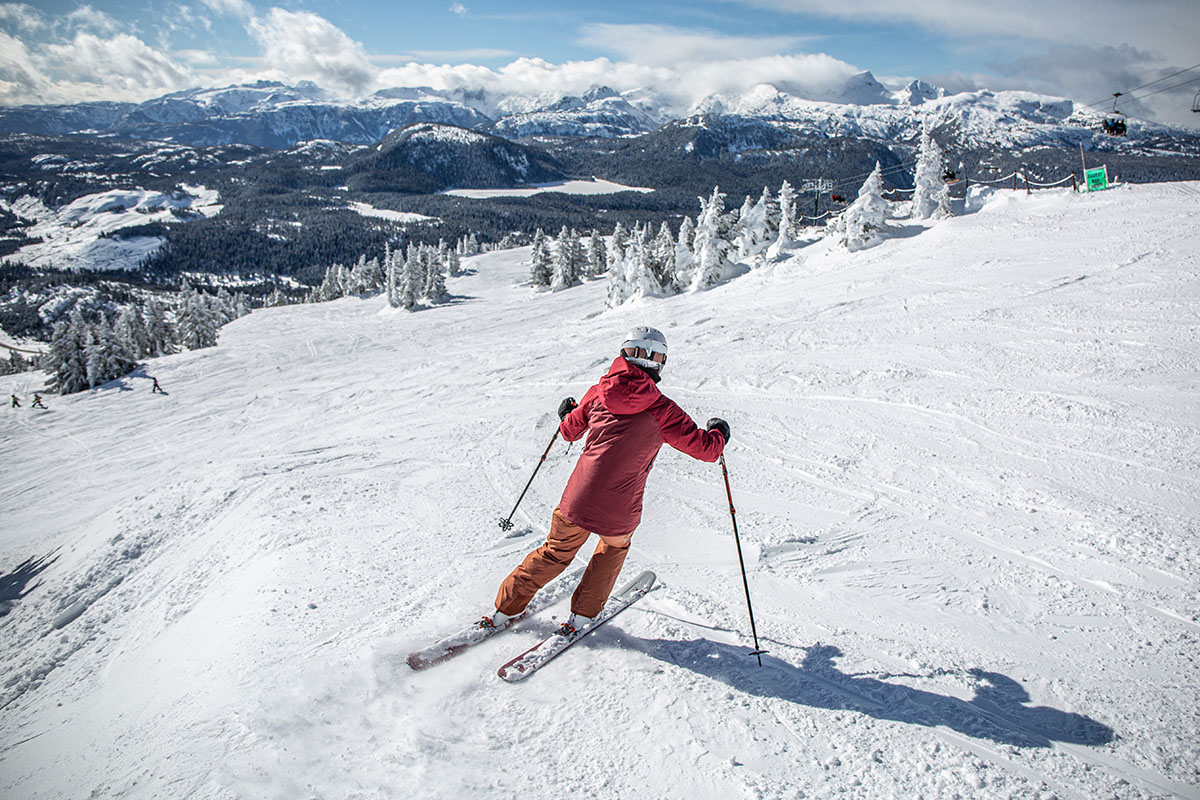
(37, 401)
(15, 402)
(156, 388)
(627, 420)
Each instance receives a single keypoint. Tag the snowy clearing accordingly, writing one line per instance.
(594, 186)
(966, 476)
(74, 236)
(368, 210)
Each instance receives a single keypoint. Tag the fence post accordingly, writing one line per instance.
(1014, 181)
(1074, 184)
(1028, 190)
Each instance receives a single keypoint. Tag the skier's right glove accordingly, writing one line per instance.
(720, 426)
(566, 407)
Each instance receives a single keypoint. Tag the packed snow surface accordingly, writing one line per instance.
(965, 471)
(594, 186)
(79, 235)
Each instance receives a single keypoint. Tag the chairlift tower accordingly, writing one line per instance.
(817, 187)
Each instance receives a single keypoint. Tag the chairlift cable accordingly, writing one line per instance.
(1144, 85)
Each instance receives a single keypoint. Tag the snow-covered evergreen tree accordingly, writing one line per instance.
(453, 263)
(861, 224)
(541, 268)
(618, 284)
(787, 225)
(435, 276)
(108, 356)
(66, 359)
(712, 247)
(616, 249)
(597, 255)
(395, 270)
(160, 334)
(196, 322)
(753, 226)
(931, 194)
(130, 328)
(412, 281)
(569, 259)
(661, 260)
(685, 256)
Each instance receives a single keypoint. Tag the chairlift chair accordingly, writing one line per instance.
(1196, 103)
(1114, 121)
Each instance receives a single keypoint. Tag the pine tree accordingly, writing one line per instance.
(435, 278)
(616, 250)
(569, 259)
(131, 329)
(618, 284)
(196, 322)
(597, 255)
(540, 265)
(661, 259)
(412, 281)
(787, 225)
(394, 273)
(66, 360)
(453, 263)
(160, 337)
(861, 223)
(711, 246)
(685, 256)
(931, 194)
(108, 356)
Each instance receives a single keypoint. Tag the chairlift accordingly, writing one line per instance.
(949, 175)
(1196, 103)
(1114, 121)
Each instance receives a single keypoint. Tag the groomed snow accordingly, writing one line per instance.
(594, 186)
(966, 477)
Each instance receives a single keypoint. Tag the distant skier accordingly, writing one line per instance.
(15, 402)
(156, 388)
(37, 401)
(627, 420)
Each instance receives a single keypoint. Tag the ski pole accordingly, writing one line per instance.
(506, 524)
(745, 583)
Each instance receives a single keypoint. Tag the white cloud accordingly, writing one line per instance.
(1166, 27)
(305, 46)
(459, 9)
(665, 45)
(88, 18)
(22, 17)
(121, 63)
(231, 8)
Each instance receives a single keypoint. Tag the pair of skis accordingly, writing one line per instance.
(541, 653)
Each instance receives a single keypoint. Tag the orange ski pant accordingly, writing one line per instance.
(548, 561)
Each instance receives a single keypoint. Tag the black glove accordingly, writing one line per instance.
(566, 407)
(720, 426)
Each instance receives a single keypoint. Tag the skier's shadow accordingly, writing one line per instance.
(998, 711)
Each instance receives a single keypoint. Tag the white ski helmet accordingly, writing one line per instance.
(649, 346)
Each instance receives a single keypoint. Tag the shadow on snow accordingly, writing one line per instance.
(998, 711)
(15, 584)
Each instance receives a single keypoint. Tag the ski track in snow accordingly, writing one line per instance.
(965, 471)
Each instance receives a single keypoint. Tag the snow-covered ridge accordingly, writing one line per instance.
(276, 115)
(79, 235)
(593, 186)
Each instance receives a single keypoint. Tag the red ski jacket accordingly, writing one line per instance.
(627, 419)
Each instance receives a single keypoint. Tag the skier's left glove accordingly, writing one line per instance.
(720, 426)
(566, 407)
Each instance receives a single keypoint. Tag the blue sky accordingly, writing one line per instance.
(67, 51)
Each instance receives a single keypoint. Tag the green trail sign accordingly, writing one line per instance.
(1096, 179)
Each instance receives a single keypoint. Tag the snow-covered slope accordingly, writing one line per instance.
(964, 464)
(106, 230)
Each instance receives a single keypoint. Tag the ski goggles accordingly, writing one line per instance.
(646, 349)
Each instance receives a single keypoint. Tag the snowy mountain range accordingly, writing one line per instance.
(273, 115)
